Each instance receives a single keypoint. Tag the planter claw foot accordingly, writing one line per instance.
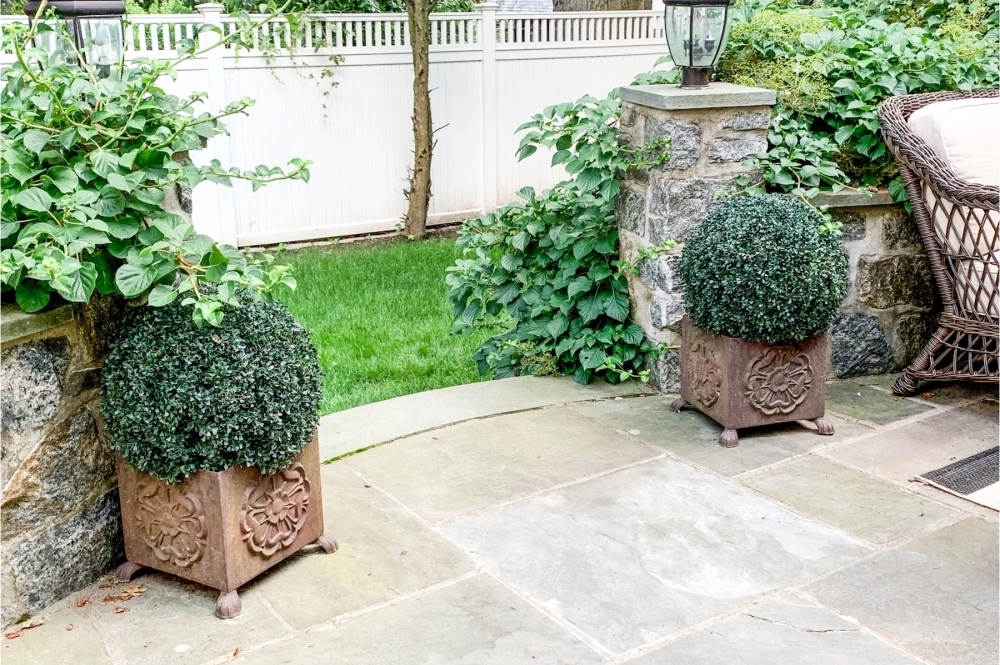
(823, 427)
(729, 438)
(228, 605)
(678, 404)
(329, 545)
(124, 572)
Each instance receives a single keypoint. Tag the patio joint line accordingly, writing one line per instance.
(777, 593)
(909, 398)
(937, 525)
(483, 567)
(868, 629)
(894, 425)
(347, 616)
(379, 444)
(548, 490)
(656, 645)
(874, 430)
(270, 608)
(907, 486)
(566, 624)
(114, 652)
(653, 646)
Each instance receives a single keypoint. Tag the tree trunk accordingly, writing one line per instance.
(600, 5)
(419, 195)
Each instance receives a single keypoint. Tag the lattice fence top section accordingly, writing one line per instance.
(162, 35)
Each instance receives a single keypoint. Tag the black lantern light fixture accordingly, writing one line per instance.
(697, 31)
(94, 26)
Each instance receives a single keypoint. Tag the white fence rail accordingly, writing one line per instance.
(489, 73)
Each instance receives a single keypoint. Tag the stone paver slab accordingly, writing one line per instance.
(936, 596)
(353, 429)
(924, 446)
(477, 464)
(848, 398)
(174, 622)
(385, 552)
(695, 437)
(52, 644)
(784, 630)
(635, 556)
(849, 500)
(475, 621)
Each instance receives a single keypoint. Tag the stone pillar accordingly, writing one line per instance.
(59, 515)
(713, 131)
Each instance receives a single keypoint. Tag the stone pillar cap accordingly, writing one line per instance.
(716, 95)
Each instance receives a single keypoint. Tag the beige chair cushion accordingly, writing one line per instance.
(965, 135)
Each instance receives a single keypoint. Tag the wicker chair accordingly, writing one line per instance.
(958, 222)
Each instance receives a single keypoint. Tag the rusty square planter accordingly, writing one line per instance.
(743, 384)
(221, 528)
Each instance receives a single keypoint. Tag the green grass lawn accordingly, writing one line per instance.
(379, 317)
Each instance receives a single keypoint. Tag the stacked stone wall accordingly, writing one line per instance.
(892, 304)
(59, 515)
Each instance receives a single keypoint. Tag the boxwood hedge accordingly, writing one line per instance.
(179, 398)
(764, 268)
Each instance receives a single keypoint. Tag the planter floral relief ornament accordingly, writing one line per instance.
(764, 277)
(215, 427)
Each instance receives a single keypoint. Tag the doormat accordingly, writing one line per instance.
(975, 478)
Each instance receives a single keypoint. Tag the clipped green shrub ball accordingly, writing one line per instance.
(761, 269)
(179, 399)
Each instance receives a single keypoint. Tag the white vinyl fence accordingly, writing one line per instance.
(489, 73)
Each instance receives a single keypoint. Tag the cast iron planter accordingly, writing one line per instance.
(748, 384)
(221, 528)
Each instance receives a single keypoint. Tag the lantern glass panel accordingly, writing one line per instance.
(56, 38)
(101, 41)
(696, 35)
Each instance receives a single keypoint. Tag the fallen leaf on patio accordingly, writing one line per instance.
(235, 652)
(69, 626)
(80, 602)
(367, 485)
(112, 598)
(119, 609)
(32, 623)
(12, 634)
(927, 395)
(134, 590)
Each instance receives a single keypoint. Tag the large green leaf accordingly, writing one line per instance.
(35, 140)
(34, 198)
(63, 178)
(103, 162)
(31, 296)
(133, 279)
(22, 172)
(616, 304)
(589, 179)
(161, 295)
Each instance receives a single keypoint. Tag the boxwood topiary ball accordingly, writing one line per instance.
(179, 399)
(759, 268)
